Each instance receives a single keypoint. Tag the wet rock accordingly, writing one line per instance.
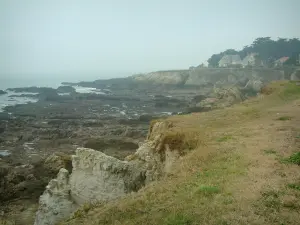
(4, 116)
(26, 95)
(146, 118)
(198, 98)
(4, 153)
(2, 92)
(65, 89)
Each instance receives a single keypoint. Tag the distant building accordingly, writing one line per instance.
(281, 61)
(229, 60)
(251, 60)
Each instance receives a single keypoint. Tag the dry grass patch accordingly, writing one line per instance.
(269, 151)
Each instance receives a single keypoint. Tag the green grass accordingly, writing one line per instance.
(178, 219)
(291, 91)
(294, 159)
(284, 118)
(225, 138)
(295, 186)
(208, 190)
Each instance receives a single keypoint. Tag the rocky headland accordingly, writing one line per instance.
(107, 132)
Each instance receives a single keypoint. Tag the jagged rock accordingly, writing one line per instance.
(98, 177)
(55, 204)
(255, 85)
(58, 160)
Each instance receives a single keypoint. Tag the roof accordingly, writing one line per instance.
(283, 59)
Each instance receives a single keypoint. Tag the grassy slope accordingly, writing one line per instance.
(238, 173)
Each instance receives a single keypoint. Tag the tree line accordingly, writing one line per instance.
(268, 51)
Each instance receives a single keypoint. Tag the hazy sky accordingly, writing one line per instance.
(121, 37)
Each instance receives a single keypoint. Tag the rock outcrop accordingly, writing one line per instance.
(208, 76)
(2, 92)
(99, 177)
(296, 75)
(55, 203)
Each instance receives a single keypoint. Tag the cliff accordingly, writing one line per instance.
(210, 76)
(97, 177)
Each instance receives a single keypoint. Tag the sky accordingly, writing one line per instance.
(101, 39)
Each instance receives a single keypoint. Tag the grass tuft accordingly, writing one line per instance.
(294, 186)
(269, 151)
(181, 141)
(208, 190)
(284, 118)
(294, 159)
(271, 201)
(178, 219)
(225, 138)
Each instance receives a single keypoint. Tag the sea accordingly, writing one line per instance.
(13, 98)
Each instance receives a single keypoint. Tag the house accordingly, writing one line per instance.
(281, 61)
(251, 60)
(229, 60)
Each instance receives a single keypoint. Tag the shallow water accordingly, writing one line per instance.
(13, 98)
(5, 153)
(8, 100)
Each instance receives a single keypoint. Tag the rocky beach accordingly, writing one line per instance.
(112, 116)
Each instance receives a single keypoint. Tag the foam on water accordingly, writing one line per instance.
(13, 98)
(4, 153)
(80, 89)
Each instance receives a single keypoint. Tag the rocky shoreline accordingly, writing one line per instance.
(37, 139)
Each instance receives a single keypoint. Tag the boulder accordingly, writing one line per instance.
(255, 85)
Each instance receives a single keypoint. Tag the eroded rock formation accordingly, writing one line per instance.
(99, 177)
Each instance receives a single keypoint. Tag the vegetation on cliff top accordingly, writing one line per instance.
(245, 169)
(269, 50)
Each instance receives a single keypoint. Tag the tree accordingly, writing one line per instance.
(268, 50)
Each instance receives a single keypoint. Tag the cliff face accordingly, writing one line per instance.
(206, 76)
(174, 77)
(97, 177)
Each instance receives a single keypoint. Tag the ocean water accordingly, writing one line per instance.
(10, 99)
